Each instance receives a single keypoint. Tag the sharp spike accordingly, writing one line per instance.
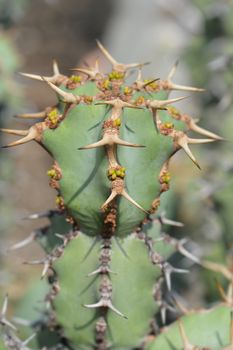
(45, 214)
(55, 68)
(173, 70)
(24, 242)
(178, 87)
(100, 270)
(15, 132)
(218, 268)
(34, 262)
(105, 303)
(139, 77)
(161, 103)
(221, 291)
(34, 76)
(165, 221)
(32, 115)
(32, 134)
(29, 339)
(131, 200)
(168, 269)
(3, 319)
(121, 142)
(112, 307)
(7, 323)
(110, 140)
(172, 86)
(45, 268)
(4, 306)
(197, 141)
(185, 252)
(84, 70)
(186, 343)
(67, 96)
(109, 199)
(118, 103)
(106, 53)
(194, 127)
(183, 143)
(163, 313)
(116, 65)
(150, 82)
(103, 142)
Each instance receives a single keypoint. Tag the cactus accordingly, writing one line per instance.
(106, 255)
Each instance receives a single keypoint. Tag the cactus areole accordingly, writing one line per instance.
(111, 143)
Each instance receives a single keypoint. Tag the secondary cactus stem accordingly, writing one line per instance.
(116, 66)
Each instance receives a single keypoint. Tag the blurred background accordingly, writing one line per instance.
(197, 33)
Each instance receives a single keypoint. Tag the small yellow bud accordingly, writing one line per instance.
(75, 78)
(168, 125)
(51, 173)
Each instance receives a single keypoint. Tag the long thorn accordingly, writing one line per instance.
(32, 134)
(67, 97)
(15, 132)
(31, 115)
(194, 127)
(161, 103)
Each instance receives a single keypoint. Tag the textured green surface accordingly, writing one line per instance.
(84, 184)
(209, 329)
(132, 292)
(77, 289)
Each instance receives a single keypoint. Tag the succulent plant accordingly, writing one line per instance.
(106, 255)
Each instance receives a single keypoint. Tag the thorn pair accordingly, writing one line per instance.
(116, 66)
(46, 262)
(105, 303)
(33, 133)
(179, 246)
(119, 190)
(93, 73)
(182, 141)
(161, 104)
(67, 97)
(53, 79)
(110, 139)
(169, 85)
(167, 270)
